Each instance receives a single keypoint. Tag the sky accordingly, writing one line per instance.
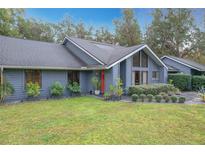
(99, 17)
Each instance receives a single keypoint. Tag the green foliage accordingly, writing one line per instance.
(181, 81)
(9, 21)
(202, 93)
(150, 97)
(127, 29)
(112, 90)
(103, 35)
(158, 98)
(56, 89)
(182, 99)
(171, 30)
(174, 99)
(153, 89)
(106, 96)
(134, 97)
(142, 97)
(32, 89)
(74, 87)
(118, 87)
(6, 89)
(95, 82)
(198, 82)
(166, 98)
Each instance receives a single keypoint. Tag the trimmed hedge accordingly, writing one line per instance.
(181, 81)
(198, 82)
(153, 89)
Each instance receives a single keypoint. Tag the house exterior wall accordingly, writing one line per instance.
(80, 54)
(180, 67)
(17, 78)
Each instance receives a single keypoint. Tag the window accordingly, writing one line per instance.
(155, 75)
(140, 59)
(33, 76)
(73, 76)
(144, 61)
(136, 59)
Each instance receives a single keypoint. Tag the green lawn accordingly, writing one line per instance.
(88, 120)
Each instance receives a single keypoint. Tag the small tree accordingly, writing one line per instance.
(6, 89)
(119, 90)
(95, 82)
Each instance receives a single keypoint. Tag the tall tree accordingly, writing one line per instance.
(81, 31)
(8, 21)
(103, 35)
(65, 28)
(127, 29)
(36, 30)
(172, 31)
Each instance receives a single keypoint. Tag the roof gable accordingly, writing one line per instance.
(187, 62)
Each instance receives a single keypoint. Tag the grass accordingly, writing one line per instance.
(87, 120)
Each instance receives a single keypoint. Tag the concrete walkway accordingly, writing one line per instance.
(192, 98)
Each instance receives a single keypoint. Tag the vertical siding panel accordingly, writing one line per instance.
(16, 78)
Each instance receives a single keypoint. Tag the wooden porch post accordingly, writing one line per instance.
(102, 81)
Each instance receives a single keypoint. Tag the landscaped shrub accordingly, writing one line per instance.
(150, 97)
(32, 89)
(6, 89)
(158, 98)
(142, 97)
(106, 96)
(182, 99)
(174, 99)
(134, 97)
(181, 81)
(166, 98)
(153, 89)
(56, 89)
(74, 88)
(198, 82)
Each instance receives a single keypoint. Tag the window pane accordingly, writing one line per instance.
(136, 59)
(73, 76)
(155, 75)
(144, 59)
(33, 76)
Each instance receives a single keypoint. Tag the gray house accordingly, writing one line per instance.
(181, 65)
(23, 61)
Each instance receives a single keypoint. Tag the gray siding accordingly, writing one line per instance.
(180, 67)
(16, 78)
(81, 54)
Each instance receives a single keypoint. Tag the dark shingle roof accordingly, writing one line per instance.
(107, 53)
(21, 52)
(189, 62)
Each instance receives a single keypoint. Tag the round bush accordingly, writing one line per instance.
(182, 99)
(142, 97)
(174, 99)
(150, 97)
(56, 89)
(134, 97)
(158, 98)
(166, 98)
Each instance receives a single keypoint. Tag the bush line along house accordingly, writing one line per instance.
(22, 61)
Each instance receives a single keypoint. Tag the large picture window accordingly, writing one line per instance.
(73, 76)
(140, 59)
(136, 59)
(33, 76)
(144, 59)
